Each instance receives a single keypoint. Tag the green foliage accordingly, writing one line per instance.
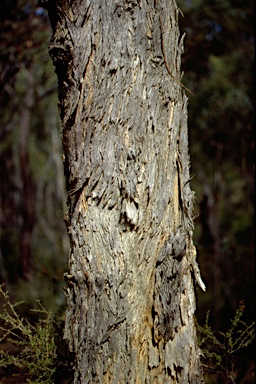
(33, 238)
(36, 355)
(219, 351)
(218, 67)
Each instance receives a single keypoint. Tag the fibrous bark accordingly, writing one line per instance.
(130, 291)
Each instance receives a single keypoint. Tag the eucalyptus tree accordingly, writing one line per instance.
(132, 263)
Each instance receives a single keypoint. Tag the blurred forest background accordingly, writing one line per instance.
(219, 69)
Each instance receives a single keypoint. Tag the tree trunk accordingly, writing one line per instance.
(130, 293)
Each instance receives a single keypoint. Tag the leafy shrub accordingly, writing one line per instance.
(218, 352)
(36, 355)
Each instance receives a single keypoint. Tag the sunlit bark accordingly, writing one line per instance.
(130, 291)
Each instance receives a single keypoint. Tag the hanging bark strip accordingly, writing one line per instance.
(166, 60)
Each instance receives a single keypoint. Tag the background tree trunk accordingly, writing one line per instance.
(27, 189)
(130, 291)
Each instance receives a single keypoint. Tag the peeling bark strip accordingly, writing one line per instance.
(130, 292)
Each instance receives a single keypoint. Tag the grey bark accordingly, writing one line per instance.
(130, 291)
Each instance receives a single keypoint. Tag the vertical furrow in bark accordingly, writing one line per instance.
(130, 293)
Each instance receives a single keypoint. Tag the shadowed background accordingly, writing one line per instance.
(218, 69)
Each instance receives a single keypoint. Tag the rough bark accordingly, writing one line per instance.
(130, 290)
